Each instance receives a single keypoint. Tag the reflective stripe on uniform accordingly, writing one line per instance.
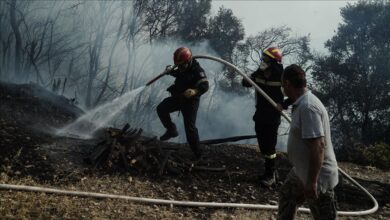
(272, 156)
(200, 81)
(268, 83)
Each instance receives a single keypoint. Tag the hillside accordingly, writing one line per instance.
(30, 154)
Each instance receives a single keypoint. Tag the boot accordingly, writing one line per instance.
(200, 160)
(269, 177)
(170, 133)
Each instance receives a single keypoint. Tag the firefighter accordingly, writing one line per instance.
(189, 85)
(266, 117)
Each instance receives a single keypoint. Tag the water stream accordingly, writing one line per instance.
(91, 121)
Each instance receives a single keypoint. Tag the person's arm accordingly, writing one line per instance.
(173, 72)
(287, 102)
(245, 83)
(201, 85)
(316, 158)
(284, 105)
(313, 133)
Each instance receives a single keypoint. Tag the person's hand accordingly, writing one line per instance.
(168, 69)
(279, 107)
(190, 93)
(311, 191)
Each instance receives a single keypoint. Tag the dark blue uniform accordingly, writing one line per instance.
(267, 118)
(192, 78)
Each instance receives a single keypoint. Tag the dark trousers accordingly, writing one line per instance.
(266, 127)
(189, 109)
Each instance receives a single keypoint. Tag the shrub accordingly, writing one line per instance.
(377, 155)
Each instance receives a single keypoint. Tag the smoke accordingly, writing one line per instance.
(83, 34)
(220, 114)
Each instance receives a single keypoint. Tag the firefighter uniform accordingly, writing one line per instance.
(194, 78)
(267, 118)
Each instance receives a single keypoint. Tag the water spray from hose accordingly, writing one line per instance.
(87, 124)
(91, 121)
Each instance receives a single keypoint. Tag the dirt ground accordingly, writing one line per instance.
(29, 156)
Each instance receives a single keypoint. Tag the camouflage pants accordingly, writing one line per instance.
(291, 197)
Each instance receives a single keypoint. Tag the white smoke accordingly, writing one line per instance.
(227, 115)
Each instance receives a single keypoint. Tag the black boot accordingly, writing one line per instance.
(269, 177)
(169, 134)
(199, 159)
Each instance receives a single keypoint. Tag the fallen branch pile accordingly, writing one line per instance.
(125, 149)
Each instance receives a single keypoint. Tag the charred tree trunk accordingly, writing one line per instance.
(95, 53)
(18, 39)
(2, 44)
(127, 69)
(119, 33)
(133, 30)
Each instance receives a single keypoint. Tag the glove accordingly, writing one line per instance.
(190, 93)
(169, 70)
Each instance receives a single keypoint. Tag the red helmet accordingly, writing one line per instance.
(182, 55)
(274, 53)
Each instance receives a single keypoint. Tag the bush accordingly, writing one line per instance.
(377, 155)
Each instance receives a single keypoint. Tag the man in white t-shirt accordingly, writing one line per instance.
(309, 147)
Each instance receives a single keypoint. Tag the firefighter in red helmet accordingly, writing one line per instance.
(190, 83)
(266, 117)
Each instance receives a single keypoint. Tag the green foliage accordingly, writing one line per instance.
(160, 17)
(192, 21)
(377, 155)
(182, 19)
(225, 31)
(353, 80)
(224, 34)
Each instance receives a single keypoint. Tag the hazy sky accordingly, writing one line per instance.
(320, 19)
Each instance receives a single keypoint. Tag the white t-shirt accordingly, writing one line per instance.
(310, 120)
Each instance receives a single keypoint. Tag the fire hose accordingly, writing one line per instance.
(160, 75)
(193, 203)
(181, 203)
